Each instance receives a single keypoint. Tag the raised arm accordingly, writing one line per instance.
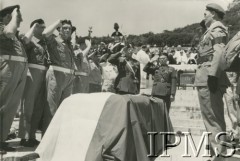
(11, 28)
(113, 59)
(150, 66)
(88, 44)
(50, 29)
(28, 36)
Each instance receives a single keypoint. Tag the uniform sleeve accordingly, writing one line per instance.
(173, 82)
(1, 28)
(218, 37)
(138, 75)
(149, 68)
(51, 40)
(114, 58)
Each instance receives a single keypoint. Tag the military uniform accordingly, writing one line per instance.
(165, 80)
(128, 79)
(238, 109)
(34, 92)
(231, 103)
(60, 75)
(95, 78)
(211, 103)
(81, 81)
(238, 92)
(13, 65)
(231, 62)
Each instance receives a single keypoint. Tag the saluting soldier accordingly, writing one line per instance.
(13, 62)
(128, 79)
(81, 81)
(165, 80)
(60, 75)
(34, 92)
(210, 80)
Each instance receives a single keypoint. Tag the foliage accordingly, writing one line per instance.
(186, 36)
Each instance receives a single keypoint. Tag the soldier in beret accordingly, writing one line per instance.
(13, 70)
(34, 92)
(210, 80)
(165, 79)
(81, 81)
(60, 74)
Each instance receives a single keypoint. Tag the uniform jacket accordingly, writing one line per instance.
(165, 79)
(231, 59)
(238, 85)
(128, 79)
(210, 52)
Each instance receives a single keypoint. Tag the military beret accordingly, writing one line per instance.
(39, 21)
(8, 10)
(215, 7)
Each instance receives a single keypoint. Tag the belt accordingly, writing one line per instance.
(61, 69)
(205, 58)
(14, 58)
(158, 82)
(81, 73)
(36, 66)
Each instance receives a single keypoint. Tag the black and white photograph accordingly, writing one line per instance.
(119, 80)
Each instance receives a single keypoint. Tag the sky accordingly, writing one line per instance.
(133, 16)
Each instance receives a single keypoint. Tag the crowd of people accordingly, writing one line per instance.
(39, 69)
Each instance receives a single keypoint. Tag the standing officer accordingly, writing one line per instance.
(210, 80)
(81, 74)
(31, 111)
(165, 80)
(60, 75)
(13, 63)
(128, 79)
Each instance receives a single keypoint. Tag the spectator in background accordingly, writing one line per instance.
(143, 58)
(190, 58)
(109, 73)
(180, 57)
(194, 53)
(171, 59)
